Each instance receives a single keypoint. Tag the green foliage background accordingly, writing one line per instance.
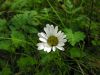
(21, 20)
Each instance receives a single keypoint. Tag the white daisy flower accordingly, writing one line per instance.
(51, 39)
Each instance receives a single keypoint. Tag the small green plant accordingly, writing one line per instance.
(21, 22)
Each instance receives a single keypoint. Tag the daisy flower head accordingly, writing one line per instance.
(51, 39)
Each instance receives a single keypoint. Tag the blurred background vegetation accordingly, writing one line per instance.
(21, 20)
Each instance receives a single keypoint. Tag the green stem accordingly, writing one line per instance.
(56, 13)
(83, 73)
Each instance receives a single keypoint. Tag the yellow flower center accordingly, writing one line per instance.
(52, 41)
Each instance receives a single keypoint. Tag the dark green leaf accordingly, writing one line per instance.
(25, 62)
(6, 71)
(76, 52)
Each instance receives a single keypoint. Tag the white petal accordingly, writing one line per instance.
(58, 34)
(64, 36)
(60, 48)
(61, 36)
(61, 44)
(52, 27)
(47, 25)
(42, 35)
(62, 40)
(54, 48)
(47, 30)
(40, 46)
(42, 40)
(56, 29)
(48, 49)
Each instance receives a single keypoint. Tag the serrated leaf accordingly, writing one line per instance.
(3, 23)
(6, 45)
(75, 37)
(28, 18)
(69, 4)
(31, 29)
(17, 37)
